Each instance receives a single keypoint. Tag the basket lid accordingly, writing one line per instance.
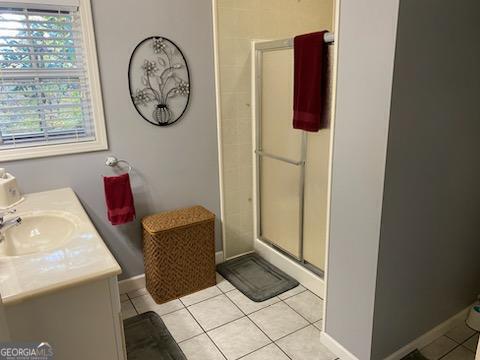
(177, 218)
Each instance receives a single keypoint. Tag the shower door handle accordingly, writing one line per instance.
(281, 158)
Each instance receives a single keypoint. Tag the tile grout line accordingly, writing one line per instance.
(288, 297)
(457, 345)
(263, 347)
(265, 307)
(455, 341)
(279, 300)
(263, 332)
(463, 346)
(234, 288)
(303, 317)
(122, 312)
(134, 308)
(227, 323)
(248, 317)
(216, 346)
(463, 342)
(283, 351)
(190, 338)
(135, 297)
(303, 328)
(219, 326)
(476, 333)
(293, 332)
(211, 297)
(154, 309)
(195, 303)
(258, 327)
(195, 320)
(245, 315)
(206, 333)
(222, 293)
(251, 352)
(180, 298)
(308, 321)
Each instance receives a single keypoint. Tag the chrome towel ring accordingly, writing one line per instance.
(113, 161)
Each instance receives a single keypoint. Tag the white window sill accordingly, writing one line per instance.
(39, 151)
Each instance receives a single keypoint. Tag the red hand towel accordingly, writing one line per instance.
(119, 199)
(309, 66)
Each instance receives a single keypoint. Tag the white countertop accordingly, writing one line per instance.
(83, 258)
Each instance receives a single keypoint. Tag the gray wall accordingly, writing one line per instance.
(365, 67)
(175, 166)
(428, 267)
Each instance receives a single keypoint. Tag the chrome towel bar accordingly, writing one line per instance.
(281, 158)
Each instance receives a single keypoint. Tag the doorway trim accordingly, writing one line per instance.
(283, 261)
(218, 107)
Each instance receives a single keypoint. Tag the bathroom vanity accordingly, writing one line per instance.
(58, 280)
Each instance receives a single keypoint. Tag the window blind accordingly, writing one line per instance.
(44, 91)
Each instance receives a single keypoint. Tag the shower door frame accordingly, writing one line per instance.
(259, 48)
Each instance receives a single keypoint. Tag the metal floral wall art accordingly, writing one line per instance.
(159, 81)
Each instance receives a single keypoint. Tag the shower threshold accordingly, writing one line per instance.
(308, 266)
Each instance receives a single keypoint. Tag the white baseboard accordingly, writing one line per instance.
(418, 343)
(219, 257)
(304, 276)
(131, 284)
(336, 347)
(430, 336)
(138, 282)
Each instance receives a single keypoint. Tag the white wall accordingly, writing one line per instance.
(175, 166)
(428, 267)
(404, 229)
(366, 40)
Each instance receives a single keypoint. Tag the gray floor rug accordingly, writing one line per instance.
(414, 355)
(255, 277)
(147, 338)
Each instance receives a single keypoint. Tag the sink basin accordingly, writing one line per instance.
(39, 231)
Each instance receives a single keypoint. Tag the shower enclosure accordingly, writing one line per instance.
(291, 177)
(274, 179)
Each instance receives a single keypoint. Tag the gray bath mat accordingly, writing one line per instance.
(414, 355)
(147, 338)
(256, 278)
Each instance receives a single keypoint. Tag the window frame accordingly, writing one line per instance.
(100, 142)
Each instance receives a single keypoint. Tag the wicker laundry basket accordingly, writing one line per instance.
(179, 252)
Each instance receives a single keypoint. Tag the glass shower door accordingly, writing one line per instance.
(280, 154)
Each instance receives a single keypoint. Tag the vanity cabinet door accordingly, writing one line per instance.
(79, 322)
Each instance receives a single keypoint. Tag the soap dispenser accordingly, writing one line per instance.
(9, 192)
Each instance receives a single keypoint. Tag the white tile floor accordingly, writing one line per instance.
(221, 323)
(460, 343)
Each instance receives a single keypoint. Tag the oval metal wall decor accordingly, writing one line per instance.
(159, 81)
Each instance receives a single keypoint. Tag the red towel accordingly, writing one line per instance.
(119, 199)
(310, 53)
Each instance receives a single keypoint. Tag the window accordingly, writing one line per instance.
(50, 101)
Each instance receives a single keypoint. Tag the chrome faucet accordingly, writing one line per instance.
(5, 224)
